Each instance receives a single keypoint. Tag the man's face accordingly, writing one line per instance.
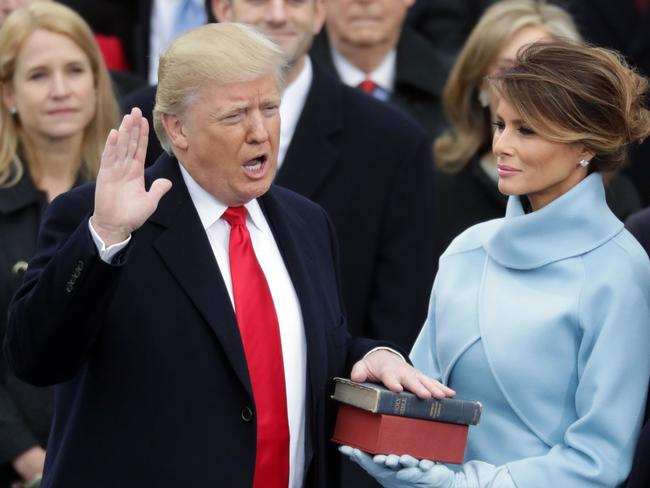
(228, 139)
(365, 23)
(290, 23)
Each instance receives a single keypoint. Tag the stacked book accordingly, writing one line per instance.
(379, 421)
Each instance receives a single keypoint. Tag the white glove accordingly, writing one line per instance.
(405, 471)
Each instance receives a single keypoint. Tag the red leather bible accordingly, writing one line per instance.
(391, 434)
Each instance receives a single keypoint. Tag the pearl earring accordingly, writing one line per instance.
(13, 110)
(584, 163)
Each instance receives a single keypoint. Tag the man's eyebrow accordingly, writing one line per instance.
(231, 108)
(271, 99)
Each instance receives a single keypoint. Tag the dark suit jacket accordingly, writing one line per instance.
(420, 75)
(370, 168)
(147, 353)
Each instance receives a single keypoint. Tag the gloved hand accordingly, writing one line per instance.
(405, 471)
(423, 473)
(394, 471)
(473, 474)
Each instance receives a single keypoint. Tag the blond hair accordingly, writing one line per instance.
(572, 93)
(470, 122)
(213, 53)
(57, 18)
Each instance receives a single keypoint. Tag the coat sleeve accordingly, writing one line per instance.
(58, 311)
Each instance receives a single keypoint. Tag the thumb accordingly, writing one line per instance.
(158, 189)
(360, 371)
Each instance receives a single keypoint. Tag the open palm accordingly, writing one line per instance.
(122, 204)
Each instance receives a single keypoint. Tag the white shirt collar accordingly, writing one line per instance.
(210, 209)
(293, 101)
(384, 75)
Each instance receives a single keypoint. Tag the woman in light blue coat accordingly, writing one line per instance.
(544, 315)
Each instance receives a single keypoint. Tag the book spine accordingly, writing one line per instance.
(446, 410)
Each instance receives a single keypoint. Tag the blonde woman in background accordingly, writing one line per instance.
(57, 109)
(466, 181)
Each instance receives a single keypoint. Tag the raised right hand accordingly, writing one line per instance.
(122, 203)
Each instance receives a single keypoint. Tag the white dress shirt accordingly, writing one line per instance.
(293, 101)
(287, 306)
(384, 75)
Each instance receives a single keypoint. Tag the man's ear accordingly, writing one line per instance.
(222, 10)
(174, 129)
(319, 16)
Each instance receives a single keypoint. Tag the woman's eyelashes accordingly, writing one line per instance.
(500, 125)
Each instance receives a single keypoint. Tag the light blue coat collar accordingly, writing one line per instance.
(571, 225)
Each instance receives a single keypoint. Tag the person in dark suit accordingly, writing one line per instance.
(192, 329)
(384, 57)
(361, 160)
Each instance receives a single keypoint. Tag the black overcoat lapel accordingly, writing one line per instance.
(186, 251)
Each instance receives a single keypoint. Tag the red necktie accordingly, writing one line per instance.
(368, 86)
(258, 326)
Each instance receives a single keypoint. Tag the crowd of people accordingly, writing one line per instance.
(178, 288)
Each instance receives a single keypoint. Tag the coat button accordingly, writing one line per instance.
(246, 414)
(19, 268)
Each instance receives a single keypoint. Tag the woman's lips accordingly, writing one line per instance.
(504, 170)
(62, 111)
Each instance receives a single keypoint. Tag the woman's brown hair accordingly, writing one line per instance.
(569, 92)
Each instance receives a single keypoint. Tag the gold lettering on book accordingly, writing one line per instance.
(399, 407)
(436, 407)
